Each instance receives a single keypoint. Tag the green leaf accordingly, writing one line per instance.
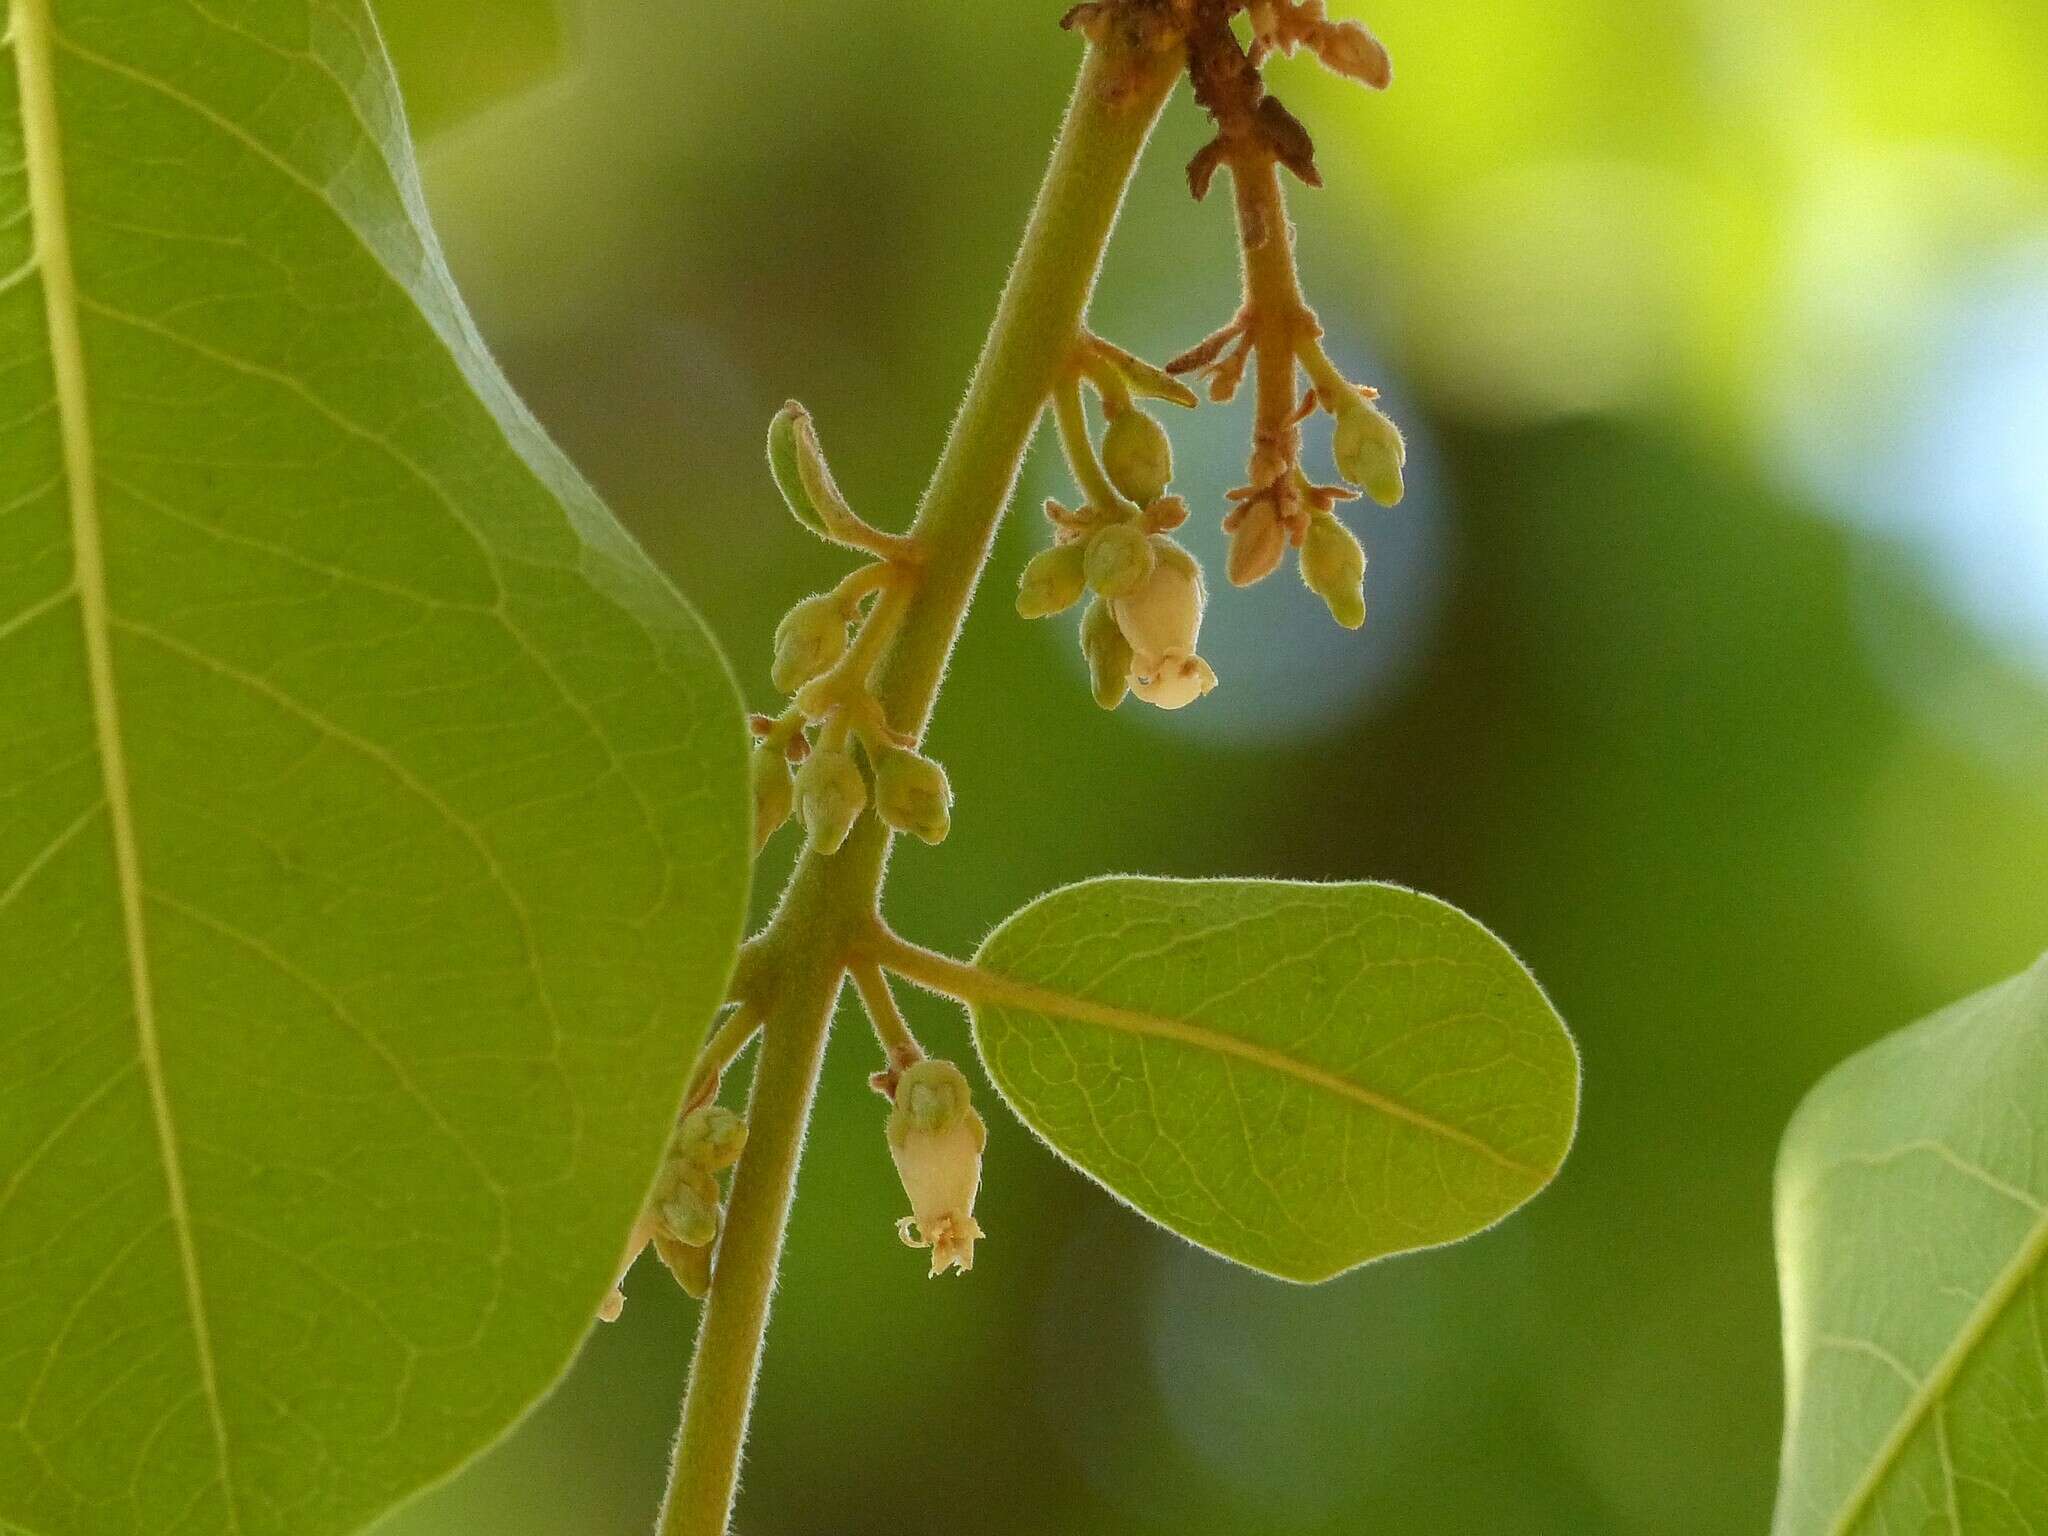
(373, 816)
(456, 57)
(1298, 1077)
(1912, 1217)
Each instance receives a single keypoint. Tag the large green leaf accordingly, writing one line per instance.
(1298, 1077)
(1912, 1224)
(372, 815)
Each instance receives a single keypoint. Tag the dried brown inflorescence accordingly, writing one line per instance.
(1275, 336)
(1112, 542)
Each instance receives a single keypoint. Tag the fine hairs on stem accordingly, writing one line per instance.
(794, 969)
(862, 661)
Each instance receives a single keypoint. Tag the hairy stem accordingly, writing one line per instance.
(707, 1454)
(1275, 314)
(1089, 475)
(898, 1044)
(725, 1044)
(829, 908)
(961, 980)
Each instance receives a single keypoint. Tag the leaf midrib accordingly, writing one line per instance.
(34, 36)
(991, 987)
(1933, 1391)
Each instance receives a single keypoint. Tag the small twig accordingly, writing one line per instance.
(720, 1050)
(848, 681)
(1088, 472)
(899, 1046)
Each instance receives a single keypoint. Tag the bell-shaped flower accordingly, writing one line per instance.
(936, 1137)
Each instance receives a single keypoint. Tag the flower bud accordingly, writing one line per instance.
(1174, 681)
(1257, 544)
(1333, 565)
(1163, 615)
(1349, 49)
(1138, 456)
(1053, 581)
(690, 1263)
(1369, 450)
(830, 795)
(811, 636)
(935, 1138)
(711, 1137)
(774, 795)
(912, 795)
(1119, 559)
(686, 1203)
(1108, 653)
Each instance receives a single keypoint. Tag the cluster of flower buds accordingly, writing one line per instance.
(1145, 614)
(1279, 507)
(683, 1215)
(936, 1139)
(826, 650)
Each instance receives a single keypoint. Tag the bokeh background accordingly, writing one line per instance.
(1708, 665)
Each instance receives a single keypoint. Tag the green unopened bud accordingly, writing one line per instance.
(1333, 565)
(1053, 581)
(811, 637)
(1108, 653)
(711, 1136)
(690, 1263)
(936, 1139)
(1138, 456)
(912, 795)
(686, 1204)
(830, 795)
(1119, 558)
(774, 795)
(1369, 451)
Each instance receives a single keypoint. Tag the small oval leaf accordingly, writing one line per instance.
(1912, 1226)
(1302, 1078)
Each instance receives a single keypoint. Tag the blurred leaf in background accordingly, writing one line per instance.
(455, 59)
(1708, 665)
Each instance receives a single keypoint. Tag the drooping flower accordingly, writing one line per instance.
(936, 1138)
(1161, 620)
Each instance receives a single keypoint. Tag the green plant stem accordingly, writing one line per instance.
(719, 1051)
(1276, 315)
(899, 1045)
(1089, 475)
(794, 969)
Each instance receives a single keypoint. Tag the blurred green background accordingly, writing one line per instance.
(1708, 665)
